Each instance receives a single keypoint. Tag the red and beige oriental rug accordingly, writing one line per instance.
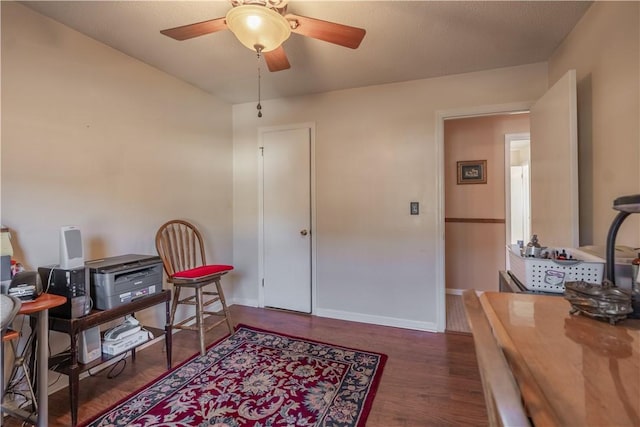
(257, 378)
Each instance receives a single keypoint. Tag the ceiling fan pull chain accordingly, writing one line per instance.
(259, 107)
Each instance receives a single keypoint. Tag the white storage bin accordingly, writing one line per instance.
(549, 275)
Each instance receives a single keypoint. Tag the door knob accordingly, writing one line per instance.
(304, 232)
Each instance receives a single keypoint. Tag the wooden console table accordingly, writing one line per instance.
(571, 368)
(69, 364)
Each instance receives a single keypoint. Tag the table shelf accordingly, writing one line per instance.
(61, 362)
(68, 364)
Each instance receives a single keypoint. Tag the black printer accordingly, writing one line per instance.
(121, 279)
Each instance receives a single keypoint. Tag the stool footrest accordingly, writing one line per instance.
(194, 327)
(192, 299)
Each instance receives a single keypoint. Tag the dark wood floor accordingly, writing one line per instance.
(429, 380)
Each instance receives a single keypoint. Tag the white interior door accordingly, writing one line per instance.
(286, 219)
(518, 214)
(554, 165)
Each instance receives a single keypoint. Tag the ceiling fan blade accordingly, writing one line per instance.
(194, 30)
(331, 32)
(277, 59)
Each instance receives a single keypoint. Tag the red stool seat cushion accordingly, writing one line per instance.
(202, 271)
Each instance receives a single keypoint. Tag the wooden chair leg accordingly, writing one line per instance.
(225, 310)
(200, 318)
(174, 305)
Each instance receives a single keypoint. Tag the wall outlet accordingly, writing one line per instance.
(414, 208)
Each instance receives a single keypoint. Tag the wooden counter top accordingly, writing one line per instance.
(584, 370)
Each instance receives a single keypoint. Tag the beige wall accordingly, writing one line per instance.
(604, 49)
(474, 252)
(94, 138)
(376, 151)
(87, 132)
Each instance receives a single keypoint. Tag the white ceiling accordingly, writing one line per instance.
(405, 40)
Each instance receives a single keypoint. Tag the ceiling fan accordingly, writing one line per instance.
(263, 25)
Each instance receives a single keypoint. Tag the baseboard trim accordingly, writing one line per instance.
(249, 302)
(452, 291)
(357, 317)
(376, 320)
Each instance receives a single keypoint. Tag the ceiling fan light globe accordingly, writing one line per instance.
(258, 26)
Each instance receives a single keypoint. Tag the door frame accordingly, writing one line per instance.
(508, 138)
(312, 163)
(441, 116)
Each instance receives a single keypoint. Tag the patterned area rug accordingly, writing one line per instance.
(258, 378)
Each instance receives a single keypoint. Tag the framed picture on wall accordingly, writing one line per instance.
(472, 172)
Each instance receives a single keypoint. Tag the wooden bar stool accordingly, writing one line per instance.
(181, 248)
